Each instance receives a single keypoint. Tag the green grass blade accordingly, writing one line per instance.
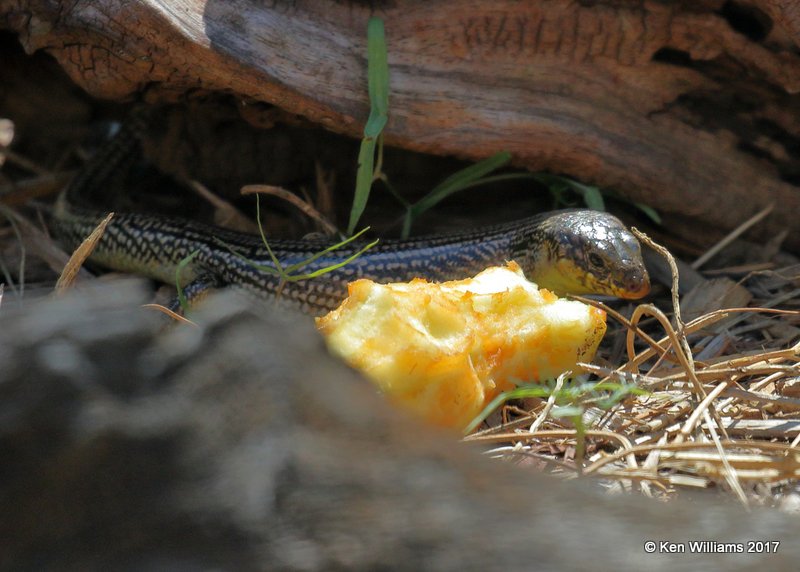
(591, 195)
(178, 270)
(518, 393)
(407, 220)
(253, 263)
(408, 217)
(649, 211)
(321, 253)
(278, 269)
(615, 386)
(377, 78)
(475, 183)
(392, 191)
(378, 85)
(571, 398)
(459, 181)
(498, 179)
(566, 411)
(264, 240)
(285, 275)
(366, 161)
(332, 267)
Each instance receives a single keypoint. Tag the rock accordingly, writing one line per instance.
(241, 445)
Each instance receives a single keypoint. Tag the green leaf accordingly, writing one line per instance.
(321, 271)
(284, 273)
(411, 212)
(250, 262)
(572, 397)
(532, 390)
(331, 248)
(458, 181)
(649, 211)
(378, 86)
(408, 218)
(471, 176)
(264, 240)
(377, 78)
(567, 411)
(593, 198)
(366, 161)
(392, 191)
(591, 194)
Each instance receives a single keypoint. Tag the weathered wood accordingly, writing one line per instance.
(690, 107)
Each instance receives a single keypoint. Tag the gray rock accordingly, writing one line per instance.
(241, 445)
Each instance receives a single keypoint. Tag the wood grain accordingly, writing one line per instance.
(689, 107)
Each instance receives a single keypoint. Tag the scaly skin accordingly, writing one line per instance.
(574, 251)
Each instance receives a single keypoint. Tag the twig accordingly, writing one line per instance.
(733, 235)
(641, 449)
(20, 192)
(294, 200)
(24, 162)
(174, 315)
(622, 320)
(548, 406)
(691, 422)
(730, 472)
(231, 217)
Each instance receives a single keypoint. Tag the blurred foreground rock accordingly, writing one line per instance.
(240, 445)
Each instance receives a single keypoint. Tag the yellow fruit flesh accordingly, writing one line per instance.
(445, 350)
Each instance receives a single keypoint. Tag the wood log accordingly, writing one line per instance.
(691, 107)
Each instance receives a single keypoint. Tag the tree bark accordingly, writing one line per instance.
(689, 107)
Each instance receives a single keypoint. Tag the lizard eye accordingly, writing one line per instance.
(595, 259)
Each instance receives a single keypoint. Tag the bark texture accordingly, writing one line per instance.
(691, 107)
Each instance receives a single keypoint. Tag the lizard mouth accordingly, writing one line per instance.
(635, 287)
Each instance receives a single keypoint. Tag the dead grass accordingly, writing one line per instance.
(73, 266)
(723, 409)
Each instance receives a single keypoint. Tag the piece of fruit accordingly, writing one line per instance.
(445, 350)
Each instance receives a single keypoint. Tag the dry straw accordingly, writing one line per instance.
(730, 420)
